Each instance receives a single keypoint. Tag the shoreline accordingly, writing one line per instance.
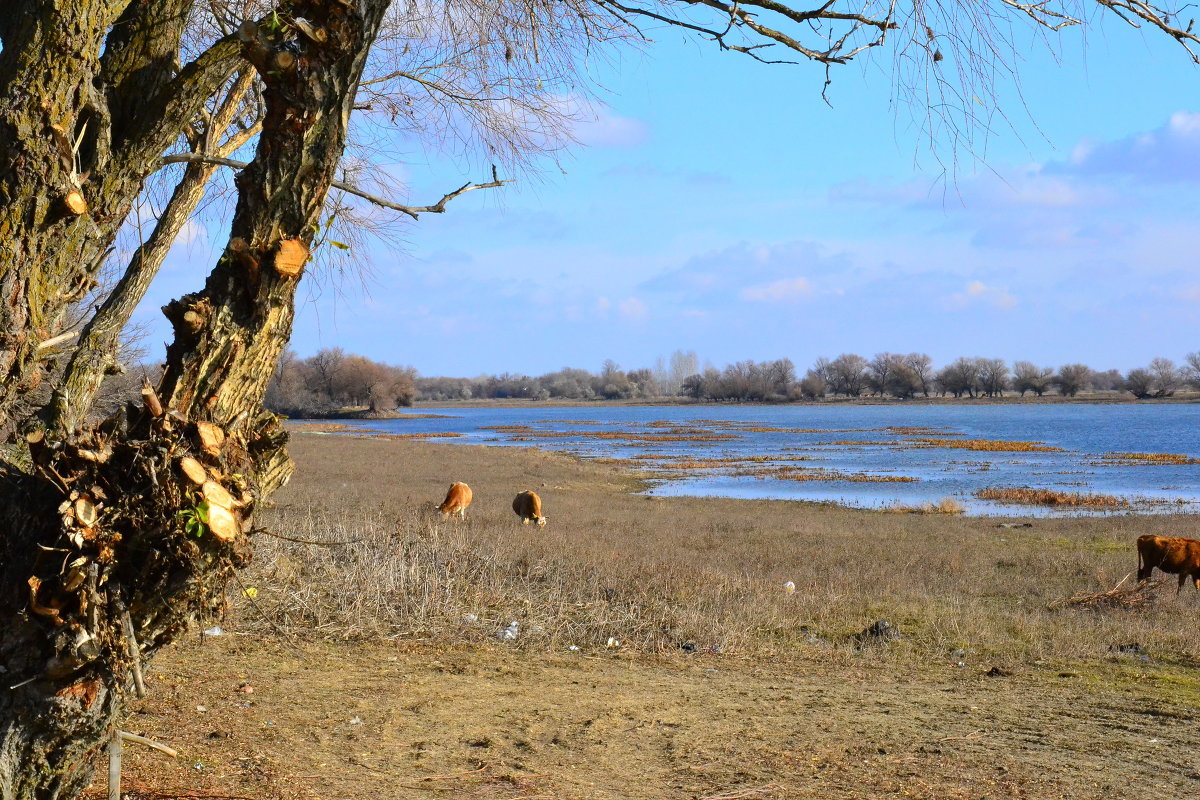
(1189, 398)
(658, 480)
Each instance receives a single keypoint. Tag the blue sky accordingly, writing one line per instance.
(719, 205)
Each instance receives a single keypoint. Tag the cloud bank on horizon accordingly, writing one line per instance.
(680, 226)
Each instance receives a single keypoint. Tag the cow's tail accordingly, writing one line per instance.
(1144, 568)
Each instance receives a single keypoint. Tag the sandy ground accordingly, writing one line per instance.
(365, 721)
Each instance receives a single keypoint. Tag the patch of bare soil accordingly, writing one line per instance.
(263, 720)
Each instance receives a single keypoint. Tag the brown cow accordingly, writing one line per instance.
(458, 497)
(1170, 554)
(529, 508)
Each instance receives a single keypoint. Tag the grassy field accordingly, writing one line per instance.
(659, 655)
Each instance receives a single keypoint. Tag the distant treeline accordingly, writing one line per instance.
(333, 379)
(849, 375)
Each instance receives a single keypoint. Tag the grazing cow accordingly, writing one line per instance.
(529, 508)
(458, 497)
(1170, 554)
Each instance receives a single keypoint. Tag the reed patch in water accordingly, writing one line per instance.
(946, 505)
(918, 430)
(443, 435)
(1049, 497)
(986, 445)
(818, 474)
(1137, 459)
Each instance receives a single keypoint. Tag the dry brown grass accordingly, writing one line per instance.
(1050, 497)
(524, 433)
(985, 445)
(1126, 596)
(1134, 459)
(402, 436)
(328, 427)
(821, 474)
(919, 430)
(653, 573)
(947, 505)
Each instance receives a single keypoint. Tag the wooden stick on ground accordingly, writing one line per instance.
(133, 737)
(769, 788)
(114, 767)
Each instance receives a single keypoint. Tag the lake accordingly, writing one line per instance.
(867, 456)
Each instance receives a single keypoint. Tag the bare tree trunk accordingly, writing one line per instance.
(77, 156)
(116, 541)
(95, 354)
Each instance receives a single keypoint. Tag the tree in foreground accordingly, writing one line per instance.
(118, 535)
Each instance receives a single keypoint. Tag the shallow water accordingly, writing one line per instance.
(856, 440)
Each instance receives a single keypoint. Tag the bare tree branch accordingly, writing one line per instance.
(413, 211)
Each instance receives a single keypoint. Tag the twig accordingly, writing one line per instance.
(1118, 586)
(454, 777)
(969, 737)
(266, 532)
(133, 737)
(737, 794)
(93, 596)
(413, 211)
(135, 651)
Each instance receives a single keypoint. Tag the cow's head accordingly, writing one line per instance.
(541, 521)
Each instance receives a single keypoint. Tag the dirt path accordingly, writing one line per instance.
(378, 721)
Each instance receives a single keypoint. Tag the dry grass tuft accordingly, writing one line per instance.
(1137, 597)
(947, 505)
(1049, 497)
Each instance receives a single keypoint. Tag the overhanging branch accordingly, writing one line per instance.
(413, 211)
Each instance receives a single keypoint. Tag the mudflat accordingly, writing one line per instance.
(659, 654)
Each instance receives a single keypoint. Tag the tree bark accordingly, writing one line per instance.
(108, 549)
(99, 341)
(73, 169)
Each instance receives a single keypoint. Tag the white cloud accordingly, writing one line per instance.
(633, 308)
(783, 290)
(978, 291)
(1169, 153)
(597, 125)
